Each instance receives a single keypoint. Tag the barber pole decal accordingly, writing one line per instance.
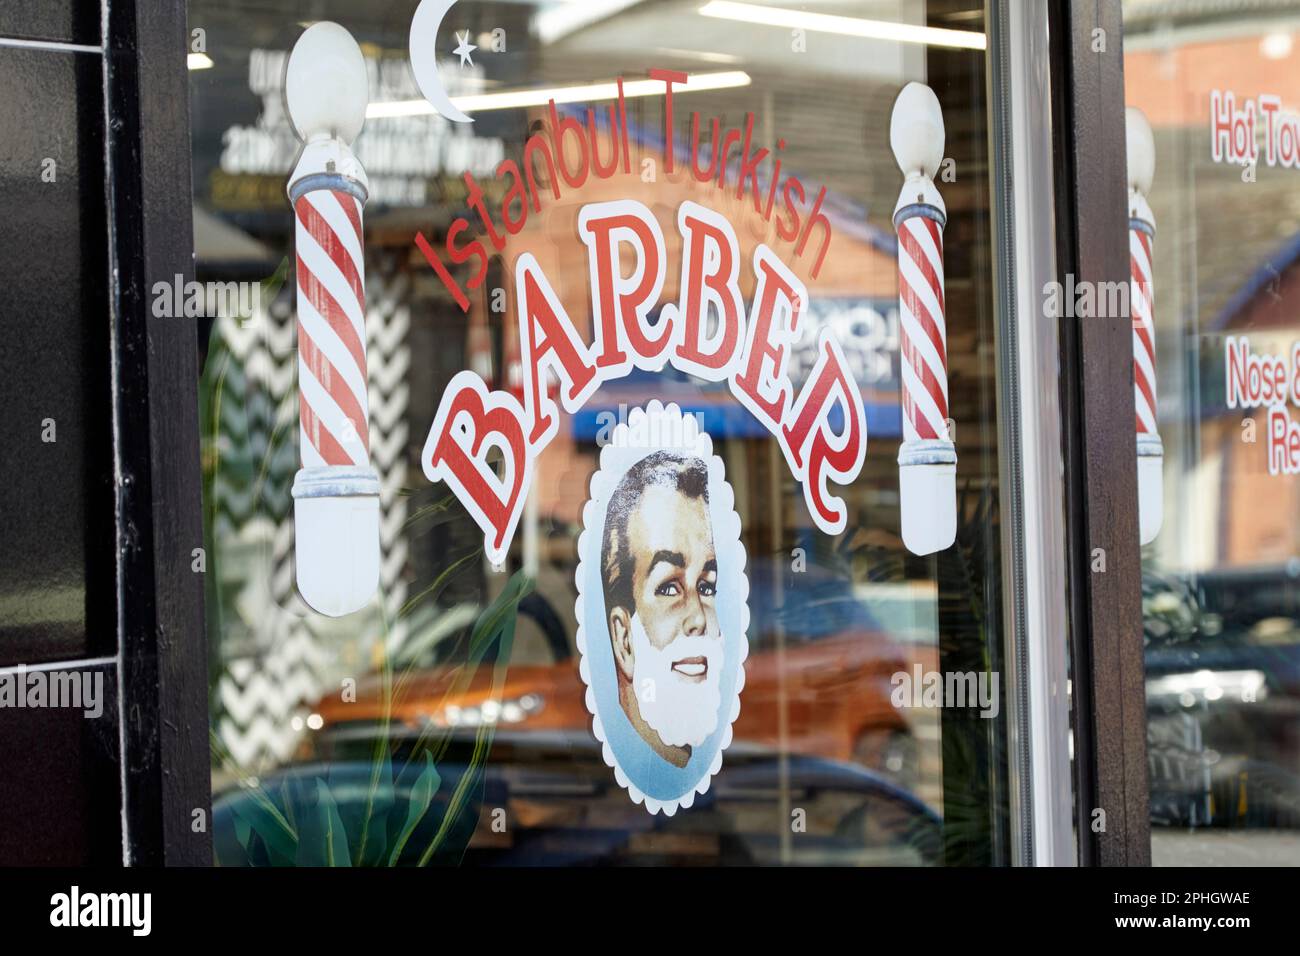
(1142, 230)
(927, 459)
(922, 340)
(336, 492)
(1140, 235)
(333, 408)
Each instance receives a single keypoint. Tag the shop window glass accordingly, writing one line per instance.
(469, 712)
(1219, 89)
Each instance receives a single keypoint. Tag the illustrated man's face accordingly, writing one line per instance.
(675, 575)
(669, 649)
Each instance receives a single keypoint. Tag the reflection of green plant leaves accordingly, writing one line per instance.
(282, 431)
(380, 793)
(974, 750)
(495, 630)
(471, 777)
(970, 798)
(306, 823)
(263, 818)
(272, 284)
(421, 796)
(336, 838)
(438, 508)
(243, 832)
(325, 843)
(277, 824)
(380, 801)
(975, 798)
(434, 589)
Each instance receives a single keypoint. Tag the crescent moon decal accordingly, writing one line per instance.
(424, 57)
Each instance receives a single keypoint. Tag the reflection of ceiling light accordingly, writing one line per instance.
(705, 55)
(1276, 46)
(590, 93)
(556, 22)
(199, 61)
(847, 26)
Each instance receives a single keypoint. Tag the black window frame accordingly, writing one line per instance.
(156, 443)
(161, 639)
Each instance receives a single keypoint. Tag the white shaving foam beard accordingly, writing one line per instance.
(682, 712)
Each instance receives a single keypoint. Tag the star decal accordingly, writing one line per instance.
(464, 50)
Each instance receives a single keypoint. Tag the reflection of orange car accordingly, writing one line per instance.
(817, 682)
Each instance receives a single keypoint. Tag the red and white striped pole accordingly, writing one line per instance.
(336, 492)
(1141, 233)
(927, 459)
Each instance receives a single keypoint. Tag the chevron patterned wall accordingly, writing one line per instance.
(273, 655)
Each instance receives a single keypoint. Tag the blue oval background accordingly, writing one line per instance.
(650, 773)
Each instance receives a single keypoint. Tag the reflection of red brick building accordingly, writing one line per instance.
(1169, 84)
(1227, 262)
(1268, 310)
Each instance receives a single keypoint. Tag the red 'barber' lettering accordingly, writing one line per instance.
(704, 333)
(773, 322)
(559, 346)
(814, 451)
(710, 268)
(469, 421)
(621, 305)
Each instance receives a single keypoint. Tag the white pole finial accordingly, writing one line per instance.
(1141, 151)
(325, 85)
(916, 132)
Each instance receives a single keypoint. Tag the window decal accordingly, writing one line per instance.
(662, 608)
(336, 491)
(1141, 237)
(927, 459)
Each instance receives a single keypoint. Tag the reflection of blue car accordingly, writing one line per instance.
(550, 800)
(1223, 698)
(809, 605)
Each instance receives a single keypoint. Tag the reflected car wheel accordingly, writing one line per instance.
(892, 753)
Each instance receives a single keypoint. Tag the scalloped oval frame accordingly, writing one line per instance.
(653, 782)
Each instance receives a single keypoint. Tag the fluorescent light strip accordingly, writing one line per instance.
(591, 93)
(699, 55)
(50, 45)
(847, 26)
